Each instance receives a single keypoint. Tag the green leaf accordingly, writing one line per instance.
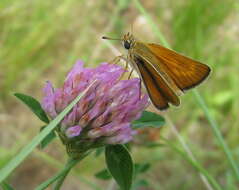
(6, 186)
(103, 174)
(50, 137)
(17, 159)
(149, 119)
(99, 151)
(141, 168)
(34, 105)
(120, 165)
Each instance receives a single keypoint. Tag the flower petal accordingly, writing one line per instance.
(73, 131)
(48, 102)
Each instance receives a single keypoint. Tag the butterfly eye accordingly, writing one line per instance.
(127, 44)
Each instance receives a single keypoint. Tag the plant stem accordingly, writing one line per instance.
(60, 176)
(189, 152)
(57, 164)
(69, 165)
(195, 164)
(217, 133)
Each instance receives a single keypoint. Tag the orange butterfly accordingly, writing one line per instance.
(165, 73)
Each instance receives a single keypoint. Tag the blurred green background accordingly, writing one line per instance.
(41, 40)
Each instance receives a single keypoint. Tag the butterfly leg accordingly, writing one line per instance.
(130, 73)
(127, 62)
(117, 59)
(140, 87)
(126, 66)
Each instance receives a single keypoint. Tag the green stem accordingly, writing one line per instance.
(194, 163)
(60, 176)
(69, 165)
(188, 152)
(199, 98)
(217, 133)
(57, 165)
(61, 180)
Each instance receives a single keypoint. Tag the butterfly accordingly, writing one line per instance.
(165, 73)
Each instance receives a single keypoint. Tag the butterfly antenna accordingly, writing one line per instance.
(108, 38)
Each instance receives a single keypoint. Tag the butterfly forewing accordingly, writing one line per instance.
(184, 71)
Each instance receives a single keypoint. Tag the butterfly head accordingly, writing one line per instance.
(128, 41)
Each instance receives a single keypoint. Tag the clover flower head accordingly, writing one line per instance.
(103, 115)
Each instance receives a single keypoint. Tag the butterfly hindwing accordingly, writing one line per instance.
(160, 93)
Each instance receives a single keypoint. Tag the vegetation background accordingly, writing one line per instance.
(41, 40)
